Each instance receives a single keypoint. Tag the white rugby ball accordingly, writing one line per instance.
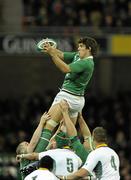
(41, 43)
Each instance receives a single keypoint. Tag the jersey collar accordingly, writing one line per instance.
(90, 57)
(101, 145)
(43, 169)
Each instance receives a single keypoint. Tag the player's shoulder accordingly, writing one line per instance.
(113, 152)
(89, 59)
(105, 151)
(97, 151)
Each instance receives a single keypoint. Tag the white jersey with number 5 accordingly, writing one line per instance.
(41, 175)
(104, 162)
(67, 161)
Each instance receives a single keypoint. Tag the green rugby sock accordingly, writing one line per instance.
(44, 140)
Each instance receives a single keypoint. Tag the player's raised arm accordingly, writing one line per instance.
(71, 130)
(85, 131)
(59, 53)
(60, 59)
(56, 58)
(42, 44)
(36, 136)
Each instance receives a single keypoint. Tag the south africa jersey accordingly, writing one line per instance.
(41, 174)
(66, 161)
(104, 162)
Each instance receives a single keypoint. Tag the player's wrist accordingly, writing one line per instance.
(42, 122)
(52, 54)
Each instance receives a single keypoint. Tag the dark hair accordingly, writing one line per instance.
(46, 162)
(90, 43)
(100, 135)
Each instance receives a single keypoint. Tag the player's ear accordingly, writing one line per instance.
(89, 48)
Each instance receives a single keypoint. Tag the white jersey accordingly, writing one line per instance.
(41, 175)
(66, 161)
(104, 162)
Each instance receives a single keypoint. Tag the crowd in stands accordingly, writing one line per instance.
(19, 117)
(97, 13)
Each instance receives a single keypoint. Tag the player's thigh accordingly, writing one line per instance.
(55, 112)
(56, 116)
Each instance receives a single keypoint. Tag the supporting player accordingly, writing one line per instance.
(104, 161)
(36, 143)
(66, 161)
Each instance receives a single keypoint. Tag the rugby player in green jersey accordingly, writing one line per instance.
(36, 142)
(78, 67)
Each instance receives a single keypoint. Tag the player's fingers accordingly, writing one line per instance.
(44, 113)
(45, 48)
(47, 44)
(64, 102)
(47, 116)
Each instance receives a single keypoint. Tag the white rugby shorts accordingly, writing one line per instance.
(76, 103)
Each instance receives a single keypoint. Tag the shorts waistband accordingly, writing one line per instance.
(72, 93)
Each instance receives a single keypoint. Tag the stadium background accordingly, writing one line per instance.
(29, 80)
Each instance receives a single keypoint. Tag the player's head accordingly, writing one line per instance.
(87, 46)
(46, 162)
(99, 135)
(22, 147)
(62, 140)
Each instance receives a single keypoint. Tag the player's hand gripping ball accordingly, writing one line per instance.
(40, 45)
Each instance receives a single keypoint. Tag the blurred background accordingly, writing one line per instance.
(29, 80)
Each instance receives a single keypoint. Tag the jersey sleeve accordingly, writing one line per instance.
(91, 162)
(81, 65)
(81, 151)
(69, 56)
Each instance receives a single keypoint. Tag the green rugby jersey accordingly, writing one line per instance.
(81, 72)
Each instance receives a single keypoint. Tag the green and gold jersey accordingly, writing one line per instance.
(81, 72)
